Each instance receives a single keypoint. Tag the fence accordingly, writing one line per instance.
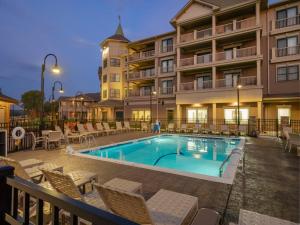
(269, 127)
(12, 187)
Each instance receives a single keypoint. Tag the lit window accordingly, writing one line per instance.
(196, 115)
(141, 115)
(115, 62)
(231, 117)
(286, 73)
(115, 77)
(104, 78)
(115, 93)
(104, 93)
(283, 112)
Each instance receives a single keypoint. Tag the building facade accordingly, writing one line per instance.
(218, 50)
(5, 104)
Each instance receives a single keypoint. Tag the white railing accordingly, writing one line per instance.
(187, 86)
(201, 34)
(167, 90)
(246, 52)
(287, 22)
(201, 59)
(293, 50)
(187, 61)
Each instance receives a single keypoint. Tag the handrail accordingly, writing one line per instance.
(227, 158)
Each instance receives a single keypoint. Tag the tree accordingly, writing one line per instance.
(32, 101)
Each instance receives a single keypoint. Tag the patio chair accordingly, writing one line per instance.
(58, 129)
(243, 130)
(165, 207)
(92, 130)
(225, 129)
(99, 127)
(183, 128)
(127, 126)
(196, 128)
(37, 140)
(83, 131)
(292, 140)
(74, 136)
(54, 138)
(171, 127)
(144, 127)
(119, 127)
(108, 129)
(213, 129)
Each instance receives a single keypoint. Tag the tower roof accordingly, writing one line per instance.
(119, 34)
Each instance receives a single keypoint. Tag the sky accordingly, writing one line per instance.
(72, 30)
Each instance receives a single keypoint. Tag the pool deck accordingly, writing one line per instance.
(270, 185)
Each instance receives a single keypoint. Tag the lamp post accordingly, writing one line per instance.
(155, 94)
(239, 86)
(55, 70)
(79, 93)
(61, 90)
(150, 105)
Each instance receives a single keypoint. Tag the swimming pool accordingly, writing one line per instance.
(181, 154)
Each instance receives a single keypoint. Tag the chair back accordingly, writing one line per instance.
(62, 183)
(183, 126)
(224, 127)
(171, 126)
(81, 128)
(90, 127)
(287, 129)
(99, 126)
(126, 125)
(119, 126)
(57, 128)
(54, 136)
(106, 126)
(243, 128)
(128, 205)
(144, 126)
(19, 170)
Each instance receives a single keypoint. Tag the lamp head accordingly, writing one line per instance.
(239, 86)
(56, 69)
(81, 98)
(61, 91)
(154, 92)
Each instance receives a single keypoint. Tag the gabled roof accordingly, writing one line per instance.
(6, 98)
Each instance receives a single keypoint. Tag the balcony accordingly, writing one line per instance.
(285, 25)
(196, 60)
(192, 86)
(235, 26)
(138, 93)
(230, 83)
(166, 91)
(285, 54)
(142, 55)
(236, 54)
(143, 74)
(196, 35)
(166, 49)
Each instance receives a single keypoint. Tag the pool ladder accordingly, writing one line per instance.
(234, 151)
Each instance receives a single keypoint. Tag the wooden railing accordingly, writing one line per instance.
(167, 90)
(246, 23)
(187, 37)
(11, 187)
(236, 25)
(142, 55)
(141, 74)
(244, 81)
(166, 49)
(204, 58)
(246, 52)
(187, 61)
(205, 85)
(287, 22)
(201, 34)
(187, 86)
(294, 50)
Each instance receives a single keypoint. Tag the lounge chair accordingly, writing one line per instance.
(196, 128)
(165, 207)
(108, 129)
(37, 140)
(54, 137)
(100, 128)
(292, 140)
(119, 127)
(225, 130)
(144, 127)
(243, 130)
(92, 130)
(57, 128)
(127, 126)
(213, 129)
(171, 127)
(74, 136)
(183, 128)
(83, 131)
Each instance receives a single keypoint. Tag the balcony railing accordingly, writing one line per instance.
(236, 25)
(294, 50)
(141, 74)
(236, 53)
(205, 85)
(187, 86)
(166, 49)
(167, 90)
(200, 59)
(204, 58)
(201, 34)
(187, 61)
(142, 55)
(196, 35)
(230, 83)
(287, 22)
(187, 37)
(138, 93)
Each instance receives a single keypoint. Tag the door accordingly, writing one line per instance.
(170, 115)
(203, 82)
(167, 87)
(104, 116)
(119, 115)
(231, 80)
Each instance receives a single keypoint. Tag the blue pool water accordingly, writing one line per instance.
(181, 153)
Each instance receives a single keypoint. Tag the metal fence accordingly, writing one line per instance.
(268, 127)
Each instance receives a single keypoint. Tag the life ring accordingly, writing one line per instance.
(18, 133)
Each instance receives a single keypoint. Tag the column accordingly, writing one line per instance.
(178, 34)
(214, 50)
(214, 113)
(178, 80)
(257, 12)
(178, 57)
(178, 115)
(213, 25)
(259, 110)
(258, 43)
(214, 75)
(258, 72)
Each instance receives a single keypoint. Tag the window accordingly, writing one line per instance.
(231, 79)
(115, 62)
(287, 46)
(104, 78)
(228, 53)
(167, 87)
(167, 45)
(104, 93)
(115, 77)
(167, 66)
(104, 63)
(204, 58)
(196, 115)
(115, 93)
(283, 112)
(288, 73)
(141, 115)
(145, 91)
(287, 17)
(231, 116)
(148, 72)
(204, 81)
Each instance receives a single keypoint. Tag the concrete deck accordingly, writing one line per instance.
(270, 185)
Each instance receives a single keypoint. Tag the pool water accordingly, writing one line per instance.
(181, 153)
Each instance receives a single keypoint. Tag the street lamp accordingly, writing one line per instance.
(155, 93)
(61, 90)
(79, 93)
(238, 87)
(151, 93)
(56, 70)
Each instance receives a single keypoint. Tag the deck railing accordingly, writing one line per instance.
(236, 25)
(245, 81)
(287, 22)
(167, 90)
(141, 55)
(201, 59)
(293, 50)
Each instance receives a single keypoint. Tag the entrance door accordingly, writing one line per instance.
(104, 116)
(119, 115)
(2, 115)
(170, 115)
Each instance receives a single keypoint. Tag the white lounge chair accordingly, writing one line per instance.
(171, 127)
(37, 140)
(225, 130)
(196, 128)
(165, 207)
(92, 130)
(108, 129)
(74, 136)
(213, 129)
(54, 137)
(82, 130)
(100, 128)
(183, 128)
(119, 127)
(144, 127)
(243, 130)
(127, 126)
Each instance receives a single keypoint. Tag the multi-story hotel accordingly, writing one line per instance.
(193, 72)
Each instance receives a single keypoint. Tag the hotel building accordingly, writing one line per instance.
(193, 73)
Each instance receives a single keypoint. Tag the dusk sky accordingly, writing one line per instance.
(71, 29)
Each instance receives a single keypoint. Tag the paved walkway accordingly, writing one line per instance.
(270, 186)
